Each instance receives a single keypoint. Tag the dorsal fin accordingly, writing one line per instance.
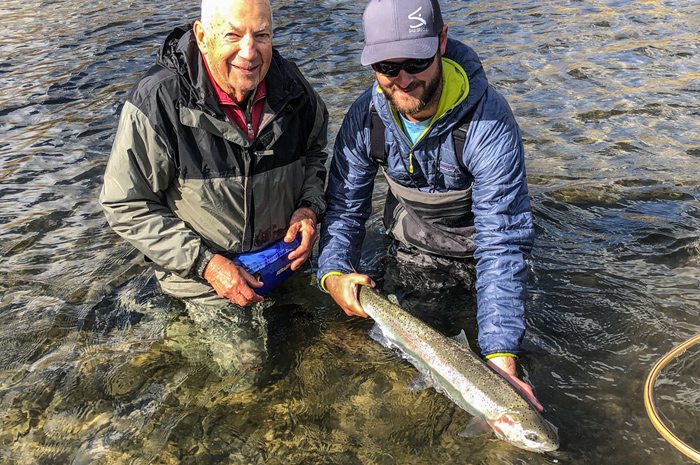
(461, 338)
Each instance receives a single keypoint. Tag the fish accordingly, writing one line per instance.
(453, 369)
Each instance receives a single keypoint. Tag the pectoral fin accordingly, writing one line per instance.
(476, 427)
(377, 334)
(419, 383)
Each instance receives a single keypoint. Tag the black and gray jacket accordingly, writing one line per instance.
(183, 182)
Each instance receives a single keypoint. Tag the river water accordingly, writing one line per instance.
(97, 367)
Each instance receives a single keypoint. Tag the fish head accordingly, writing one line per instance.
(526, 430)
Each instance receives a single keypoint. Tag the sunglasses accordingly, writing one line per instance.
(413, 66)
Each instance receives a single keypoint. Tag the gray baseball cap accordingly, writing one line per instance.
(400, 29)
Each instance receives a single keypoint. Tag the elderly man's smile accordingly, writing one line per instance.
(246, 69)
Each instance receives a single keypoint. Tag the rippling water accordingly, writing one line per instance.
(95, 367)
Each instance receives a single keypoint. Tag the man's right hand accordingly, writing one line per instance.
(344, 291)
(232, 282)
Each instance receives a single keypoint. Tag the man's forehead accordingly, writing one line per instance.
(237, 23)
(233, 23)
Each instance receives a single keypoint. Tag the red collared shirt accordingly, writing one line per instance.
(235, 112)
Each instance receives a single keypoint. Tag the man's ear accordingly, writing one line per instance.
(443, 40)
(200, 35)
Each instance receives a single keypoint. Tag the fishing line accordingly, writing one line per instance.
(649, 401)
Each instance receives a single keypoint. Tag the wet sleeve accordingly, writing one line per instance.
(138, 172)
(504, 230)
(348, 198)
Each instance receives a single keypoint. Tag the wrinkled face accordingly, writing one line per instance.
(236, 41)
(530, 432)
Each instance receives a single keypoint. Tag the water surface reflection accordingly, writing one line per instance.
(97, 367)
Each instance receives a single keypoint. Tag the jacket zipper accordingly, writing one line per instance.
(249, 229)
(413, 146)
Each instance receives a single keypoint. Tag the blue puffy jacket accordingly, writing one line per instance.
(495, 168)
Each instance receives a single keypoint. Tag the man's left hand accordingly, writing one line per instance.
(303, 221)
(505, 366)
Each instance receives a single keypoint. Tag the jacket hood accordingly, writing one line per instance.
(181, 55)
(467, 58)
(174, 51)
(464, 57)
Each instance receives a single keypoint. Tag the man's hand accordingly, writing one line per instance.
(344, 290)
(231, 281)
(303, 221)
(505, 366)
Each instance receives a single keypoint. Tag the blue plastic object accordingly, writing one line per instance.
(270, 265)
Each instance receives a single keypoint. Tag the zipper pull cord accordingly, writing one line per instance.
(251, 134)
(248, 114)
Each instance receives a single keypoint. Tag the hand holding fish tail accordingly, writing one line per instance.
(344, 290)
(505, 366)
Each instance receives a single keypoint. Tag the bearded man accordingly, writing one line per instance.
(451, 152)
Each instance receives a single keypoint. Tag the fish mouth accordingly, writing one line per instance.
(542, 445)
(539, 447)
(548, 447)
(539, 440)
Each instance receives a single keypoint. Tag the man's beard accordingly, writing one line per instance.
(412, 106)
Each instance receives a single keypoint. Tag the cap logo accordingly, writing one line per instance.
(415, 16)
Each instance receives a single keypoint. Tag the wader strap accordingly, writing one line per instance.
(459, 136)
(376, 137)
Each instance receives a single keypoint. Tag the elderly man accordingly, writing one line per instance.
(219, 151)
(452, 156)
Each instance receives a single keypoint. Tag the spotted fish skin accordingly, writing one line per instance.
(457, 372)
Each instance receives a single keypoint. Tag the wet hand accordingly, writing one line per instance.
(303, 221)
(232, 282)
(344, 290)
(505, 366)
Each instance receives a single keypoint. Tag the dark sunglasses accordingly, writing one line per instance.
(413, 66)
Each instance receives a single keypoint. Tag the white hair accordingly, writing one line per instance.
(210, 10)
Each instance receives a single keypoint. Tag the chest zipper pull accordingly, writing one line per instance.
(251, 134)
(410, 162)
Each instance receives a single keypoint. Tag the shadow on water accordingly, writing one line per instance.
(96, 366)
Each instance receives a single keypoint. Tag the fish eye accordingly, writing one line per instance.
(532, 437)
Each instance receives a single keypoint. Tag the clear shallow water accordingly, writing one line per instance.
(95, 368)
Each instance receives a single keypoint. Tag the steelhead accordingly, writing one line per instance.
(454, 370)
